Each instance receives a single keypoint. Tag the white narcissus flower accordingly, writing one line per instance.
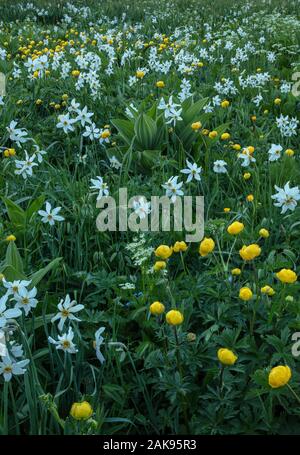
(26, 299)
(50, 215)
(7, 313)
(220, 167)
(65, 342)
(246, 157)
(84, 116)
(141, 207)
(14, 287)
(24, 167)
(275, 152)
(286, 197)
(193, 171)
(98, 184)
(66, 123)
(9, 367)
(67, 308)
(172, 188)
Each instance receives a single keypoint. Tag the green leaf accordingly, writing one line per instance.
(15, 212)
(34, 206)
(12, 274)
(13, 257)
(145, 130)
(37, 276)
(125, 129)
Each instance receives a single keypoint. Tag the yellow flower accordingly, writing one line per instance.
(206, 246)
(159, 265)
(253, 118)
(279, 376)
(180, 246)
(157, 308)
(174, 317)
(11, 238)
(160, 84)
(236, 271)
(226, 356)
(251, 149)
(247, 175)
(38, 102)
(236, 147)
(245, 294)
(227, 209)
(65, 97)
(105, 134)
(289, 152)
(196, 126)
(213, 134)
(225, 136)
(250, 198)
(250, 252)
(267, 290)
(75, 73)
(225, 103)
(235, 228)
(286, 276)
(81, 411)
(163, 251)
(140, 74)
(277, 101)
(264, 233)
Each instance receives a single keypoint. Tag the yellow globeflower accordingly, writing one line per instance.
(264, 233)
(225, 103)
(160, 84)
(159, 265)
(236, 271)
(235, 228)
(225, 136)
(245, 294)
(174, 317)
(250, 252)
(279, 376)
(277, 101)
(267, 290)
(11, 238)
(81, 411)
(250, 198)
(163, 251)
(226, 356)
(180, 246)
(206, 246)
(213, 134)
(157, 308)
(286, 276)
(247, 176)
(289, 152)
(140, 74)
(236, 147)
(196, 126)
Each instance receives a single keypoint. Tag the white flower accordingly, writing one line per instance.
(50, 215)
(92, 132)
(65, 342)
(66, 123)
(275, 152)
(193, 171)
(67, 308)
(84, 116)
(74, 107)
(14, 287)
(287, 197)
(220, 167)
(98, 341)
(26, 299)
(5, 313)
(39, 153)
(141, 207)
(24, 168)
(18, 135)
(9, 367)
(114, 162)
(246, 157)
(173, 188)
(98, 184)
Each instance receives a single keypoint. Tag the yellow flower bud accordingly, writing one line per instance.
(267, 290)
(286, 276)
(264, 233)
(196, 126)
(157, 308)
(226, 356)
(206, 246)
(163, 251)
(236, 271)
(180, 246)
(174, 317)
(159, 265)
(225, 136)
(225, 103)
(245, 294)
(160, 84)
(279, 376)
(11, 238)
(235, 228)
(81, 411)
(250, 252)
